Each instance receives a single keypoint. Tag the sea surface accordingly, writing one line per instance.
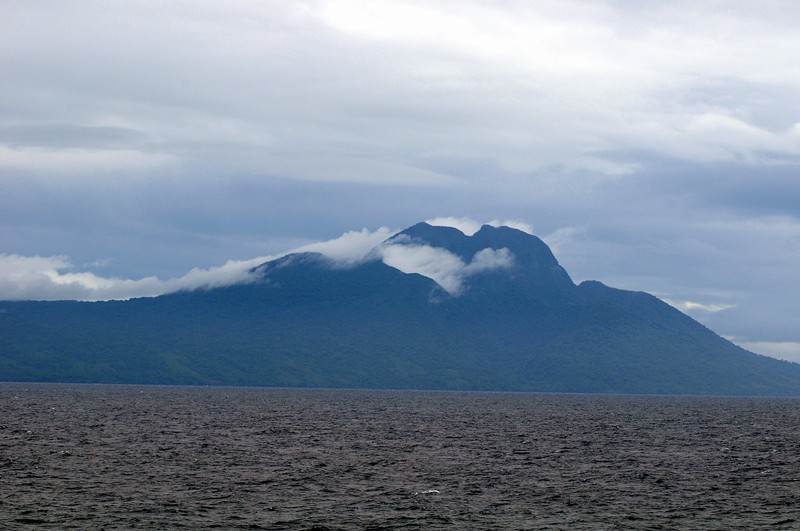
(145, 457)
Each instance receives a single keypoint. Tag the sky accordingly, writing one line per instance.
(655, 146)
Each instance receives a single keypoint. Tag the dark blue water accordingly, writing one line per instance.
(123, 457)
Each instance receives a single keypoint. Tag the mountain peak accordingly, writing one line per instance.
(455, 241)
(449, 238)
(535, 272)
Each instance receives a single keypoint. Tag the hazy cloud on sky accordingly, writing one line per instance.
(655, 146)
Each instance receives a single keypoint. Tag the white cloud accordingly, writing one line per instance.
(488, 259)
(688, 306)
(593, 77)
(438, 264)
(351, 247)
(724, 137)
(55, 278)
(75, 160)
(447, 269)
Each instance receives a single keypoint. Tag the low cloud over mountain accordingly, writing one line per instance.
(56, 278)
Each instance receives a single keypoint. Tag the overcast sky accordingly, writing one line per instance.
(654, 145)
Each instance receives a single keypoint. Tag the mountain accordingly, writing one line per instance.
(511, 319)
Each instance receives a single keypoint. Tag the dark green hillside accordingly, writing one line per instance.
(308, 322)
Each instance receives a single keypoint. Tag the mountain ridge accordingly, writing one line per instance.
(519, 323)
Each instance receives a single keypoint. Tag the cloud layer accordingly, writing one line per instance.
(56, 278)
(296, 89)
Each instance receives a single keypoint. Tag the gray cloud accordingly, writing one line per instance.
(68, 136)
(527, 88)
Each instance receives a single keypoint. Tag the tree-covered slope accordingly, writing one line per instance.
(311, 322)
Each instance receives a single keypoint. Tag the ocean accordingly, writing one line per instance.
(152, 457)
